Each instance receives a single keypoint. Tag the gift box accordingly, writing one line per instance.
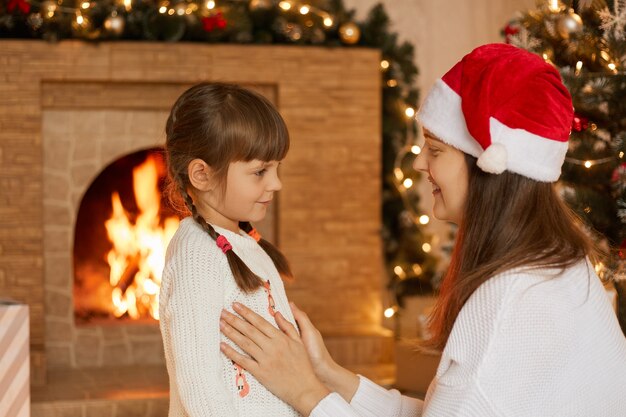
(14, 360)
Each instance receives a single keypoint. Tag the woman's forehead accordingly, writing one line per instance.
(431, 137)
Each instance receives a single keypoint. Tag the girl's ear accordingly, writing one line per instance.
(200, 175)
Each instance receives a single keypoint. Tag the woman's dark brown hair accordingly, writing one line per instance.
(222, 123)
(509, 221)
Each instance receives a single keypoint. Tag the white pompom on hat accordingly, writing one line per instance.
(506, 107)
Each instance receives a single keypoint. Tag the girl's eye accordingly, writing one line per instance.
(261, 172)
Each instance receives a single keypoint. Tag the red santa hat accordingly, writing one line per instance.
(506, 107)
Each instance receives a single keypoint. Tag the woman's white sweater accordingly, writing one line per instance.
(197, 284)
(532, 343)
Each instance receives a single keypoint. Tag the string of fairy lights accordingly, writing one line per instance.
(212, 12)
(50, 7)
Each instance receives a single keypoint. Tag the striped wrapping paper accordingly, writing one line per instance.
(14, 360)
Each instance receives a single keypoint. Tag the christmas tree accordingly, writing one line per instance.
(586, 41)
(410, 266)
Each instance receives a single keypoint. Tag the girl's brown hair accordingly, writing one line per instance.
(222, 123)
(509, 221)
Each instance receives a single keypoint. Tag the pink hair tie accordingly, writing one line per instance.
(223, 243)
(254, 234)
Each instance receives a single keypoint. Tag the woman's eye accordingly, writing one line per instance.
(433, 151)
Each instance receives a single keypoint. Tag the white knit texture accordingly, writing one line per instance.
(526, 344)
(197, 284)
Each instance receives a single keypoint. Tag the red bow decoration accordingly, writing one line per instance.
(23, 5)
(580, 123)
(619, 174)
(216, 21)
(510, 31)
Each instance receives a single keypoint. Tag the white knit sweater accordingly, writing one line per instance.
(197, 284)
(523, 345)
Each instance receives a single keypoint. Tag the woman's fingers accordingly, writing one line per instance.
(244, 342)
(300, 316)
(257, 321)
(245, 362)
(286, 327)
(304, 323)
(248, 330)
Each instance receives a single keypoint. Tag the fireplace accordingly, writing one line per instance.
(123, 226)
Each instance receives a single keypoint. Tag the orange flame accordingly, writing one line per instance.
(138, 253)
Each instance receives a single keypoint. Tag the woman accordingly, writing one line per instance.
(523, 322)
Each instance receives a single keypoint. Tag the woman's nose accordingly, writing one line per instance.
(419, 164)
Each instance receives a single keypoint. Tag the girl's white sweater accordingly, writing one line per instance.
(197, 284)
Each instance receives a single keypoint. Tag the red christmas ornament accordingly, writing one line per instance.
(216, 21)
(579, 123)
(510, 31)
(619, 174)
(18, 4)
(622, 250)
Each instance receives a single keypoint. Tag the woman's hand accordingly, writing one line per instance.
(332, 375)
(321, 360)
(278, 359)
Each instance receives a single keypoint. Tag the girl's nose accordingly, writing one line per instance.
(276, 184)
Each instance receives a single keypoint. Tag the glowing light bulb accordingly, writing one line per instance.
(426, 247)
(399, 271)
(621, 155)
(424, 219)
(416, 150)
(579, 66)
(85, 5)
(328, 22)
(285, 5)
(305, 10)
(588, 164)
(410, 112)
(612, 66)
(389, 312)
(417, 270)
(162, 9)
(79, 18)
(210, 5)
(554, 6)
(398, 173)
(392, 83)
(384, 64)
(408, 183)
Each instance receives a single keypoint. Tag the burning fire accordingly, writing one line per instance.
(138, 253)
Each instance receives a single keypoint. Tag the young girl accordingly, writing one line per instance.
(224, 145)
(524, 324)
